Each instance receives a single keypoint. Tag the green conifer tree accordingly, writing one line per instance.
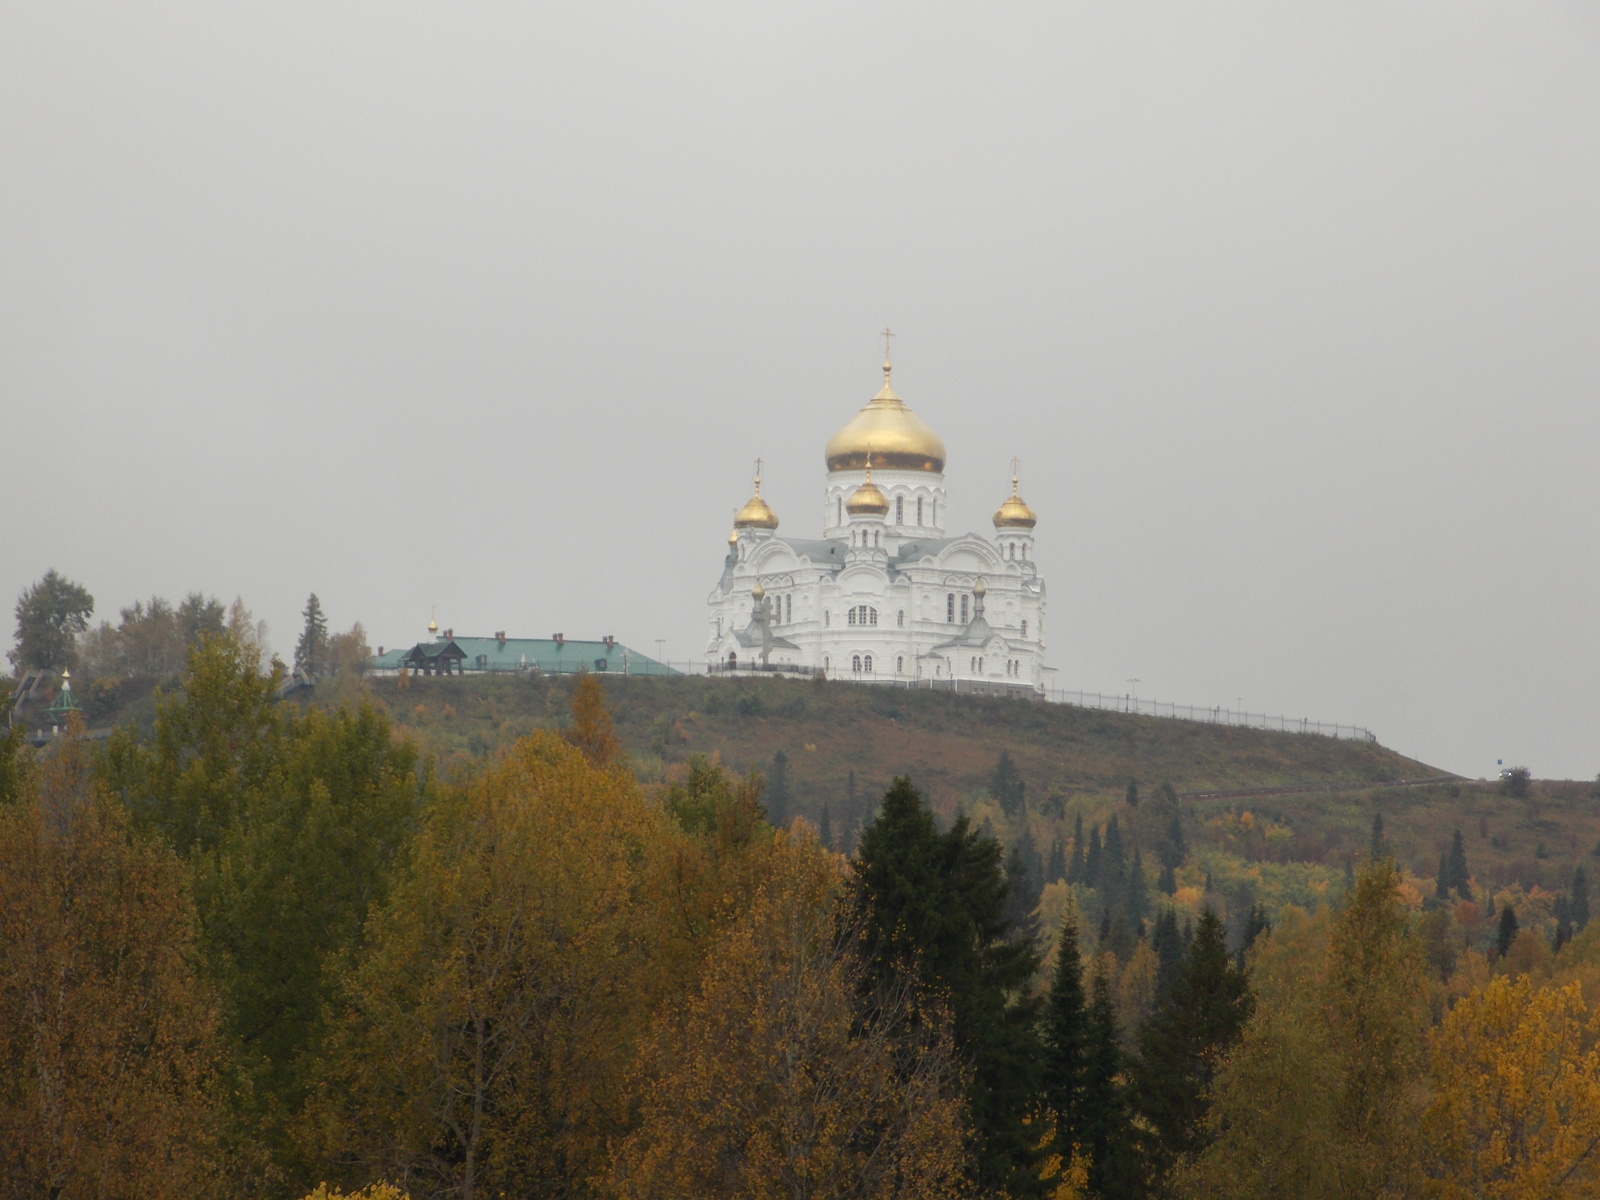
(1182, 1046)
(776, 796)
(1378, 847)
(1105, 1129)
(1056, 866)
(1167, 884)
(1066, 1042)
(1094, 861)
(1460, 878)
(1441, 885)
(1507, 932)
(1132, 794)
(1006, 785)
(825, 830)
(311, 651)
(935, 904)
(1075, 867)
(1578, 897)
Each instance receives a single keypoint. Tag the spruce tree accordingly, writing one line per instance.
(1507, 933)
(1022, 890)
(1181, 1049)
(1056, 866)
(1075, 868)
(825, 829)
(1563, 923)
(311, 651)
(1167, 884)
(1066, 1042)
(1459, 877)
(1006, 785)
(777, 794)
(1441, 885)
(1105, 1129)
(1168, 944)
(1132, 796)
(1136, 897)
(934, 905)
(1093, 861)
(1378, 847)
(1578, 898)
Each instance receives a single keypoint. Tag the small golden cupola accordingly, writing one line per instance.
(756, 513)
(867, 500)
(1014, 514)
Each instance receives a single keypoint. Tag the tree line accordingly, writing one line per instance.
(261, 948)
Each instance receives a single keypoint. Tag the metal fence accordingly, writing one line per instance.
(1215, 715)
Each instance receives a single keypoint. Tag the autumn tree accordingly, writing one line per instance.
(349, 652)
(591, 729)
(935, 904)
(292, 823)
(1516, 1095)
(485, 1030)
(1320, 1098)
(108, 1036)
(51, 614)
(783, 1075)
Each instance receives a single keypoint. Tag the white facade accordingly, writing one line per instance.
(884, 596)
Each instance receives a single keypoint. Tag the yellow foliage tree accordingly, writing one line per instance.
(774, 1080)
(486, 1031)
(108, 1040)
(376, 1191)
(1516, 1105)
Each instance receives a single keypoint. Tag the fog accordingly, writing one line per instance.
(1290, 312)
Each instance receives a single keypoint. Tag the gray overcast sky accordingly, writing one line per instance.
(1291, 311)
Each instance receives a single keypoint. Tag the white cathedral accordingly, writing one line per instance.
(883, 596)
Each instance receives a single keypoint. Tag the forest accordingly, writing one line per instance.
(254, 948)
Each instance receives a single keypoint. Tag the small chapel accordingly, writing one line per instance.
(884, 595)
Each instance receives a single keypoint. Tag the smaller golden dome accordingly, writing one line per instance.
(867, 500)
(733, 537)
(979, 588)
(433, 625)
(756, 513)
(1014, 514)
(757, 592)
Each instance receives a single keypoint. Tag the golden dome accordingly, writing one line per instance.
(1014, 514)
(889, 433)
(867, 500)
(733, 537)
(758, 591)
(979, 588)
(756, 513)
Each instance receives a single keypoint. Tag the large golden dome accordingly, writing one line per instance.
(1014, 514)
(756, 513)
(889, 433)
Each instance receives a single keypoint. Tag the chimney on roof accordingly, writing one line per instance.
(500, 636)
(380, 651)
(448, 634)
(559, 639)
(609, 641)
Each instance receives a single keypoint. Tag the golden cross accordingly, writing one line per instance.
(758, 472)
(887, 334)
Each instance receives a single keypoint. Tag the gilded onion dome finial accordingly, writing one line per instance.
(1014, 514)
(868, 499)
(756, 513)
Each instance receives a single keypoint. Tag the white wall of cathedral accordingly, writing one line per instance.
(916, 503)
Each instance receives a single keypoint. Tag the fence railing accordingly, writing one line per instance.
(1213, 715)
(1216, 715)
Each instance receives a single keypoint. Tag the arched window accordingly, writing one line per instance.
(972, 664)
(733, 659)
(872, 616)
(1024, 626)
(877, 537)
(964, 599)
(866, 664)
(899, 510)
(935, 520)
(827, 617)
(900, 664)
(719, 626)
(980, 666)
(855, 662)
(850, 617)
(900, 619)
(919, 510)
(839, 511)
(788, 612)
(825, 662)
(950, 608)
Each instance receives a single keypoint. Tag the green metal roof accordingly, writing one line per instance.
(521, 654)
